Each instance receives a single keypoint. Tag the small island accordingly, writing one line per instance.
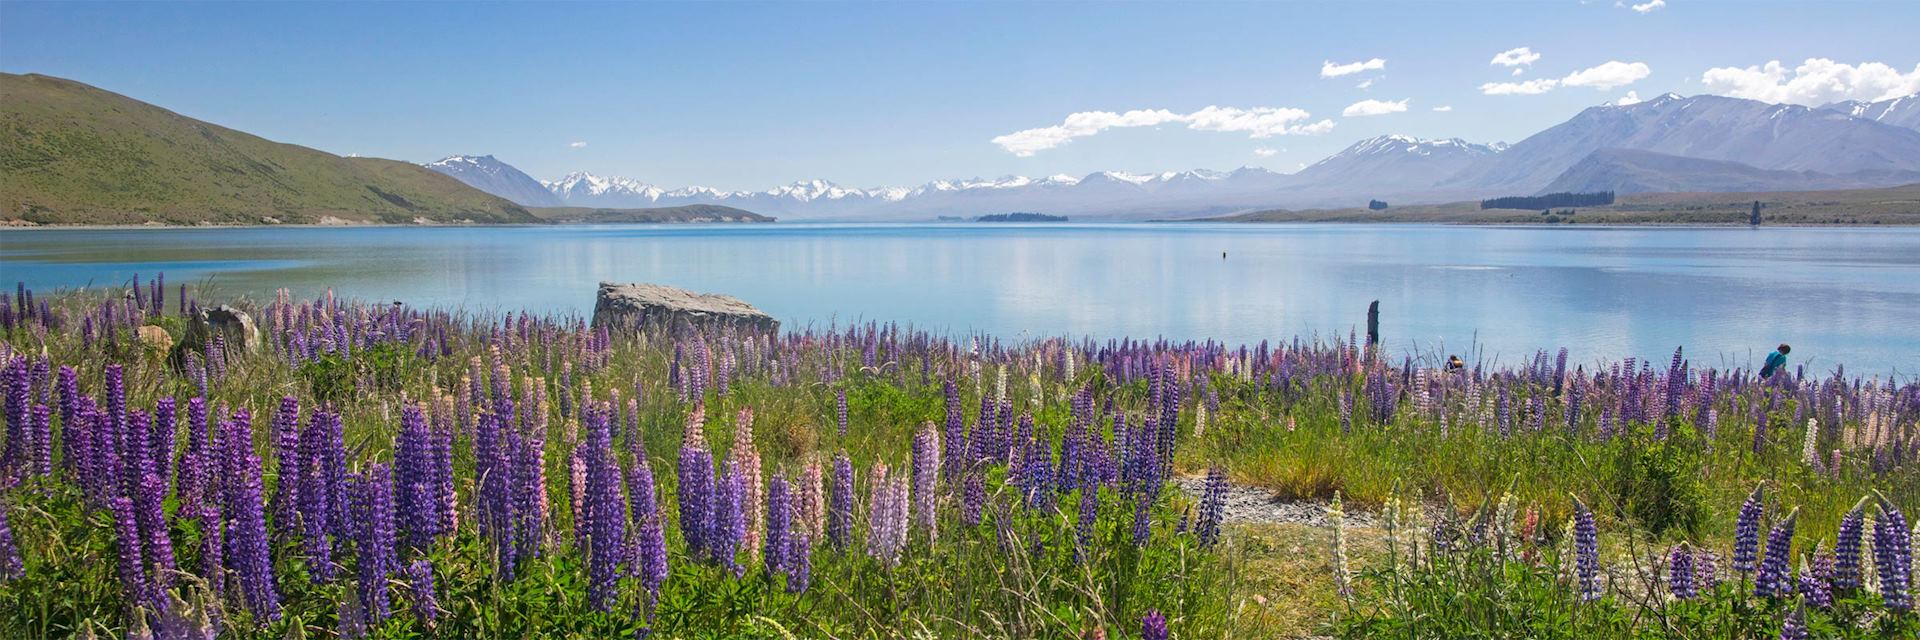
(1020, 216)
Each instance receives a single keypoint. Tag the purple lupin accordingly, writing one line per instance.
(374, 544)
(1746, 533)
(1774, 580)
(840, 512)
(248, 551)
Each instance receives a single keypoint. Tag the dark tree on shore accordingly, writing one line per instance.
(1755, 218)
(1549, 201)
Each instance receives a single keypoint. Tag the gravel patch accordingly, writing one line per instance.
(1259, 506)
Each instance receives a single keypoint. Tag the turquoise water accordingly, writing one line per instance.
(1847, 296)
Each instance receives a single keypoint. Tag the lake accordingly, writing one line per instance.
(1839, 295)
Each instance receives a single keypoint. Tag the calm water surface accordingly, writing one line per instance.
(1847, 296)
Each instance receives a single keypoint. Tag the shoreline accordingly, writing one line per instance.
(929, 223)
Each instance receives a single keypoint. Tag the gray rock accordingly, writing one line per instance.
(235, 326)
(645, 306)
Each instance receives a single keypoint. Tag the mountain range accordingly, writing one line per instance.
(1667, 144)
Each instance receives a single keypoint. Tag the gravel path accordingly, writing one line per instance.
(1259, 506)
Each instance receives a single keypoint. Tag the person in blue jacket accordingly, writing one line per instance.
(1775, 361)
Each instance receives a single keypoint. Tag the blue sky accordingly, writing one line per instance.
(747, 96)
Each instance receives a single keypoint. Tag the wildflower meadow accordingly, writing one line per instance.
(374, 470)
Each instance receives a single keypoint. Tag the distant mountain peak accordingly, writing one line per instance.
(1900, 111)
(489, 174)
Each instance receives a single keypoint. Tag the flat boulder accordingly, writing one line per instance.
(646, 306)
(235, 327)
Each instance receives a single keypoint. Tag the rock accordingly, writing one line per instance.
(237, 327)
(156, 338)
(644, 306)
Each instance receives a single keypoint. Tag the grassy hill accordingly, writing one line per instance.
(75, 154)
(680, 214)
(1892, 205)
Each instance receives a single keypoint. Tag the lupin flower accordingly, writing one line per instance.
(696, 488)
(1795, 625)
(840, 411)
(729, 518)
(1746, 533)
(973, 499)
(799, 563)
(1153, 626)
(752, 490)
(286, 440)
(133, 574)
(11, 566)
(926, 457)
(1089, 517)
(1586, 551)
(650, 542)
(413, 482)
(1142, 519)
(1809, 448)
(1774, 580)
(879, 514)
(779, 525)
(1846, 548)
(1892, 555)
(840, 513)
(1213, 506)
(157, 546)
(374, 544)
(1706, 570)
(810, 503)
(1680, 573)
(1816, 581)
(248, 552)
(606, 512)
(426, 605)
(887, 525)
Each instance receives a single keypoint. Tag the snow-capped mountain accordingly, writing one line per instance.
(1394, 164)
(498, 178)
(1699, 143)
(1780, 137)
(1903, 111)
(582, 189)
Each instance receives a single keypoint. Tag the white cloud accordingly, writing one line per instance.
(1265, 152)
(1518, 71)
(1649, 6)
(1530, 87)
(1365, 84)
(1632, 97)
(1613, 73)
(1815, 82)
(1314, 129)
(1374, 108)
(1516, 57)
(577, 145)
(1443, 108)
(1256, 122)
(1330, 70)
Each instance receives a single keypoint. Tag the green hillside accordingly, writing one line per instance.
(74, 154)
